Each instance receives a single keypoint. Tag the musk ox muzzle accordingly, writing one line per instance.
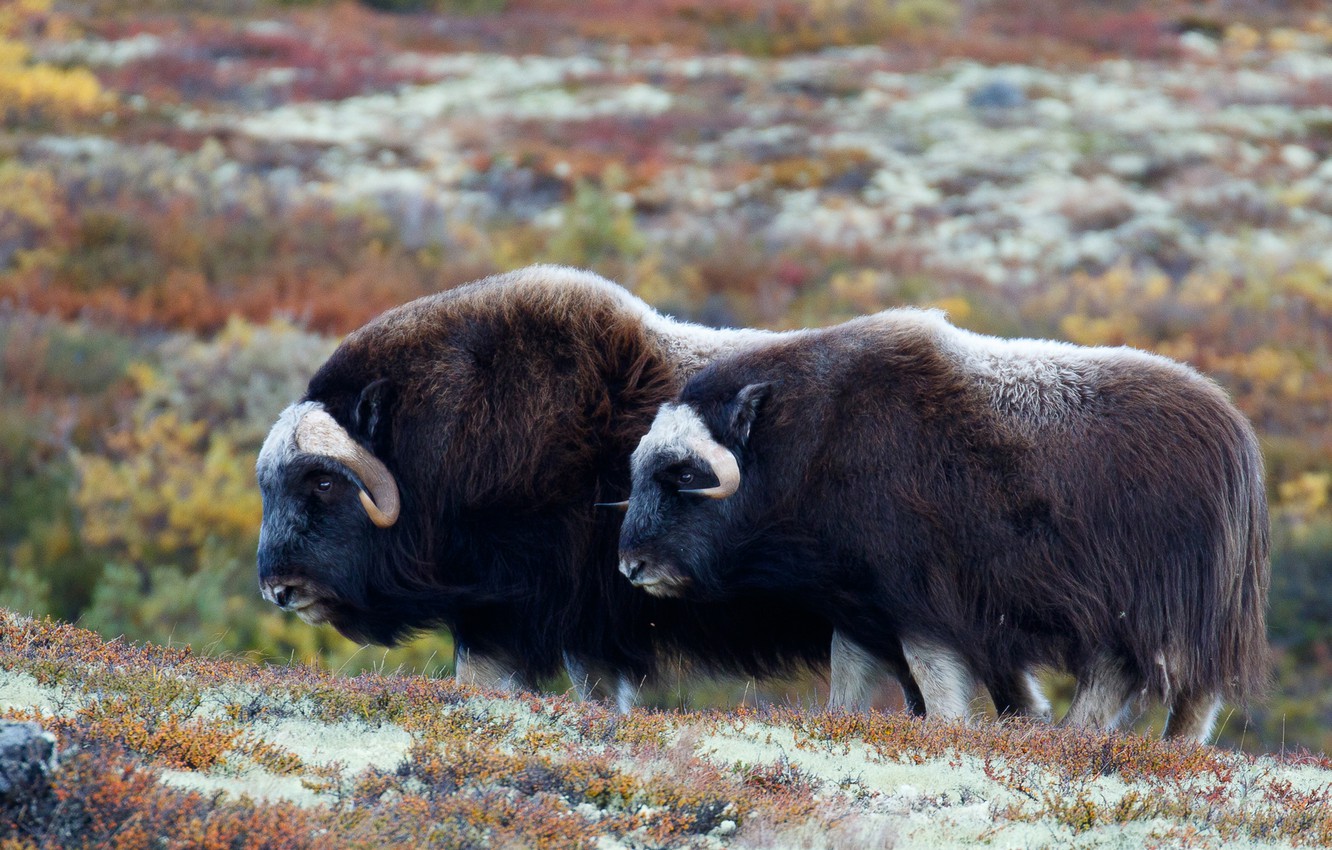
(653, 577)
(296, 598)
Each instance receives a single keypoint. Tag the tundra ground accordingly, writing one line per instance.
(165, 745)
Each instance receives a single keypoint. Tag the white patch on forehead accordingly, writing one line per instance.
(678, 430)
(280, 445)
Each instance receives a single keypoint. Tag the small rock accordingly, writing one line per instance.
(1199, 45)
(1298, 157)
(27, 758)
(997, 94)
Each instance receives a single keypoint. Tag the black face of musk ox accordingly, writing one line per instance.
(1016, 503)
(442, 468)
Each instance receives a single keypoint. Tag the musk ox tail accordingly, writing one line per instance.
(1243, 656)
(1214, 631)
(1200, 585)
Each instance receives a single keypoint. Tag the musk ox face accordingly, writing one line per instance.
(326, 499)
(687, 496)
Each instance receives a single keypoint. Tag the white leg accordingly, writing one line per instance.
(583, 683)
(626, 694)
(587, 685)
(1037, 704)
(852, 674)
(482, 671)
(945, 681)
(1193, 716)
(1101, 699)
(1020, 695)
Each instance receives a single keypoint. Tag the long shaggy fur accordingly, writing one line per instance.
(1025, 503)
(512, 406)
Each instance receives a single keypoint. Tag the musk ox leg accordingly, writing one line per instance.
(1101, 698)
(473, 668)
(583, 682)
(1019, 695)
(626, 694)
(1192, 715)
(946, 683)
(587, 685)
(853, 672)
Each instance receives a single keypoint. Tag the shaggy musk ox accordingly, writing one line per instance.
(442, 470)
(1014, 503)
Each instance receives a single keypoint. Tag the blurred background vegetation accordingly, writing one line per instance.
(163, 295)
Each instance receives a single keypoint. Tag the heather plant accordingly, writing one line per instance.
(146, 239)
(783, 28)
(74, 360)
(267, 64)
(254, 178)
(168, 746)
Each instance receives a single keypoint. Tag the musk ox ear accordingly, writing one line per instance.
(743, 411)
(370, 416)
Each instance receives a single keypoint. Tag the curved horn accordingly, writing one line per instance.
(723, 465)
(319, 433)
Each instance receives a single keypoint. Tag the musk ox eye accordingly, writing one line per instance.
(684, 477)
(320, 483)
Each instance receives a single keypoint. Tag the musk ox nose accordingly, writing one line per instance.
(279, 594)
(631, 567)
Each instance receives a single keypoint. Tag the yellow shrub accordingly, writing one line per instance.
(1303, 500)
(27, 210)
(34, 90)
(165, 489)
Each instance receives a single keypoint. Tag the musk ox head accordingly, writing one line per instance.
(689, 494)
(328, 500)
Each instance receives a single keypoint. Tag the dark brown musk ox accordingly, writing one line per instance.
(442, 470)
(1015, 503)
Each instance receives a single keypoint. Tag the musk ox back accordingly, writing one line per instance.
(442, 469)
(1020, 503)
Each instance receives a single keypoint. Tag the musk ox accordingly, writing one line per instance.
(1012, 503)
(441, 470)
